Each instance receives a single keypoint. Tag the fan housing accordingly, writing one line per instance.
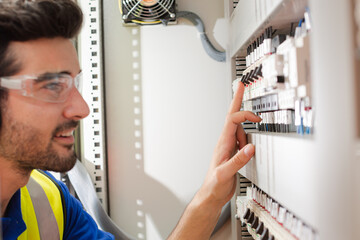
(148, 11)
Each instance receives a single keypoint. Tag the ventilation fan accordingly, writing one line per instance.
(148, 11)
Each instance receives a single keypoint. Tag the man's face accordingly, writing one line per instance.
(35, 133)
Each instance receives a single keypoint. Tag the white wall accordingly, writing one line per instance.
(159, 148)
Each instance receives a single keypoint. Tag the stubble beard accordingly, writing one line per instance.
(27, 149)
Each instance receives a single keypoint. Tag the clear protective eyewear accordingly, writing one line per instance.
(48, 87)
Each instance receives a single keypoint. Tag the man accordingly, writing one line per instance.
(40, 109)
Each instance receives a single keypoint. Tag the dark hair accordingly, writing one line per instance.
(25, 20)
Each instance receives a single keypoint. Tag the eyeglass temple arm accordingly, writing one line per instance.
(11, 84)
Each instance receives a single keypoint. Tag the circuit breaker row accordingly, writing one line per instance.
(244, 183)
(266, 219)
(276, 75)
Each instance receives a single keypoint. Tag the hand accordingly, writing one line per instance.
(219, 184)
(201, 215)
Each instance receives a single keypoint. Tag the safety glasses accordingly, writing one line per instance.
(48, 87)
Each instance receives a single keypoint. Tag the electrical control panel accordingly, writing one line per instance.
(264, 218)
(275, 68)
(294, 57)
(290, 67)
(276, 75)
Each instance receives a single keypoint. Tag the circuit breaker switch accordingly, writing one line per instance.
(259, 71)
(260, 228)
(255, 223)
(265, 235)
(247, 214)
(251, 218)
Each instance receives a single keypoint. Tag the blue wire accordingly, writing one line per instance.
(301, 21)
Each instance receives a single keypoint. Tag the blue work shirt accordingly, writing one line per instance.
(79, 224)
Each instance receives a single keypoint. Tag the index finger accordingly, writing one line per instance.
(237, 100)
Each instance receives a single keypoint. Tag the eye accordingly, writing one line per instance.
(55, 86)
(51, 87)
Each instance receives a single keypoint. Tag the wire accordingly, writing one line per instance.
(209, 48)
(81, 181)
(301, 21)
(196, 20)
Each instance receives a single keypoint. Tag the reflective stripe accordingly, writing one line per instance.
(47, 224)
(28, 212)
(43, 200)
(55, 198)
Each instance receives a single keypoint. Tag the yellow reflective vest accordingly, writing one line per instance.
(42, 208)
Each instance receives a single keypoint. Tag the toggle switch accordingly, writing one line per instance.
(260, 228)
(251, 218)
(265, 235)
(257, 72)
(251, 76)
(246, 214)
(255, 223)
(244, 78)
(248, 77)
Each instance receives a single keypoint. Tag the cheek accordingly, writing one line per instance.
(43, 117)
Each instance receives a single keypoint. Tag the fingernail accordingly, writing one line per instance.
(249, 150)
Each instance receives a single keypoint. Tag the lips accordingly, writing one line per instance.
(65, 134)
(65, 137)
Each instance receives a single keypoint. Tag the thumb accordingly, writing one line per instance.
(229, 168)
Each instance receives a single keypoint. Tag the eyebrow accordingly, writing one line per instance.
(55, 73)
(48, 75)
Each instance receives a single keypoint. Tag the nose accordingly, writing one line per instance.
(76, 107)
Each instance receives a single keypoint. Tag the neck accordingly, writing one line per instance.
(11, 180)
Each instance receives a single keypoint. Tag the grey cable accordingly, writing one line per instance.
(84, 188)
(209, 48)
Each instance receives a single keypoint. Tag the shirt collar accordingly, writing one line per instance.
(13, 224)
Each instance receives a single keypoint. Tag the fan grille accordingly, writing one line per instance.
(147, 9)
